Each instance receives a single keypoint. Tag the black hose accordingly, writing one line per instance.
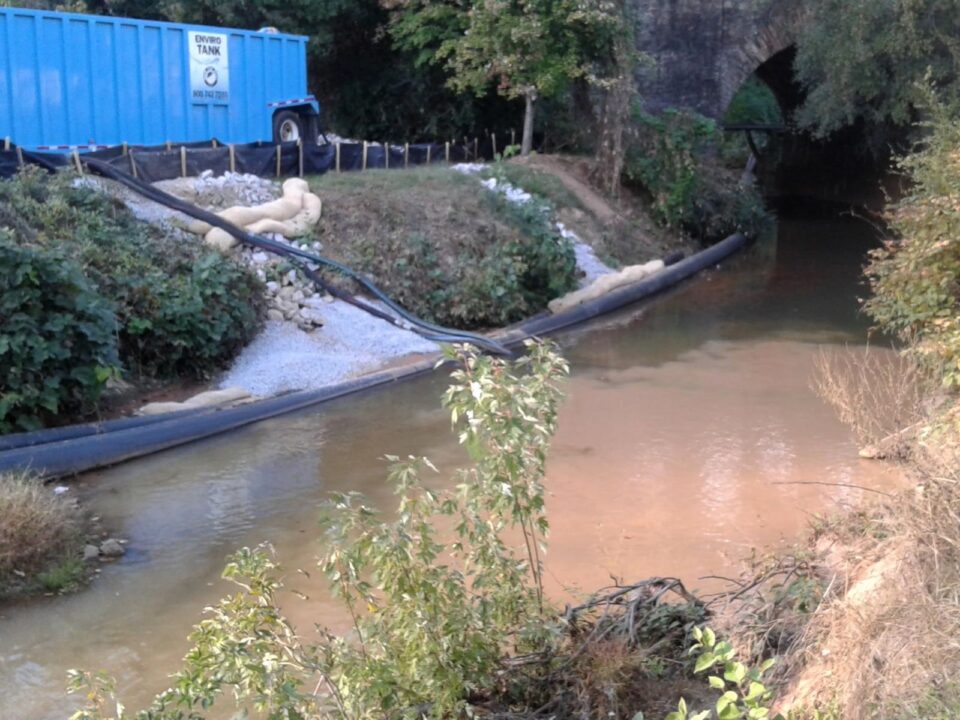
(422, 327)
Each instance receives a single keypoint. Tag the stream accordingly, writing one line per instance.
(690, 436)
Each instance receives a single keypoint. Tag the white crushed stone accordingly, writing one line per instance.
(589, 264)
(217, 192)
(469, 168)
(351, 342)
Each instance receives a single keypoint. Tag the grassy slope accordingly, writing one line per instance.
(434, 239)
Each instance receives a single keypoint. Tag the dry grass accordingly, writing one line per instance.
(867, 624)
(878, 393)
(865, 620)
(38, 529)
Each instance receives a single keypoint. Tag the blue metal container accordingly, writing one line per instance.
(70, 80)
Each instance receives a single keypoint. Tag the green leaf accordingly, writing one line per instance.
(716, 683)
(724, 700)
(735, 672)
(704, 662)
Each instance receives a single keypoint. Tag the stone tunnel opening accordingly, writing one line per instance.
(849, 167)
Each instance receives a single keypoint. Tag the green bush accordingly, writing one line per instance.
(57, 337)
(754, 104)
(915, 277)
(181, 309)
(439, 592)
(675, 159)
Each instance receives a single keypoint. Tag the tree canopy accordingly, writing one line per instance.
(524, 48)
(865, 59)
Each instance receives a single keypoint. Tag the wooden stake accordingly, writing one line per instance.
(6, 143)
(406, 155)
(124, 148)
(300, 157)
(76, 161)
(133, 165)
(233, 158)
(183, 161)
(214, 142)
(513, 137)
(338, 156)
(169, 147)
(493, 139)
(19, 156)
(365, 146)
(386, 156)
(429, 148)
(278, 161)
(446, 153)
(476, 149)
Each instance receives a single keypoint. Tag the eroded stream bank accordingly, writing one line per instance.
(688, 437)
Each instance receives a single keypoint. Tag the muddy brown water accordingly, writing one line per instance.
(690, 435)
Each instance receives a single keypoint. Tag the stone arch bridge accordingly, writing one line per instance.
(702, 51)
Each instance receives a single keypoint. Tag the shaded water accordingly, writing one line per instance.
(690, 435)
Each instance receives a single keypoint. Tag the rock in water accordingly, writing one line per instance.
(112, 548)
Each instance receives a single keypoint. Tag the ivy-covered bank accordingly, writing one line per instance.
(89, 294)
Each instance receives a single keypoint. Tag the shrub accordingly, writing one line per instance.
(40, 533)
(742, 692)
(915, 276)
(434, 615)
(57, 337)
(181, 308)
(675, 159)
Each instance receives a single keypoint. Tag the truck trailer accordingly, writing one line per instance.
(84, 82)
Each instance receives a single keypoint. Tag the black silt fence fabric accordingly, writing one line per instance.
(351, 156)
(260, 161)
(48, 161)
(9, 163)
(319, 159)
(375, 158)
(215, 159)
(107, 154)
(156, 163)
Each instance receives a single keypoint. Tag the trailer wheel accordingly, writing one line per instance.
(287, 126)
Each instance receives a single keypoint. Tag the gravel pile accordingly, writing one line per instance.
(290, 296)
(352, 342)
(222, 191)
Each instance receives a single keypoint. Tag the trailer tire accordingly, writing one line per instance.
(288, 126)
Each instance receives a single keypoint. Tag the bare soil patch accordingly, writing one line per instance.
(619, 229)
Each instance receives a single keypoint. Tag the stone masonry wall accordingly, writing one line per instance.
(702, 51)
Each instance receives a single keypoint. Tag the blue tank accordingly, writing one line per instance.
(71, 81)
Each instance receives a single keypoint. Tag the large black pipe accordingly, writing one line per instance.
(69, 432)
(81, 454)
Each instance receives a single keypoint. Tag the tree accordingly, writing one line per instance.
(864, 59)
(528, 49)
